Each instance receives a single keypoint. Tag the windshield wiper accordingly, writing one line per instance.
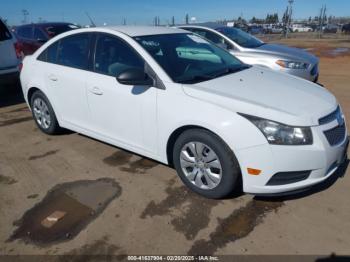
(231, 70)
(196, 79)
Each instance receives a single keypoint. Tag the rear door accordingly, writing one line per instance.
(8, 58)
(66, 74)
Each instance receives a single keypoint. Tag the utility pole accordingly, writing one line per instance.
(173, 21)
(321, 20)
(25, 14)
(289, 13)
(187, 19)
(124, 21)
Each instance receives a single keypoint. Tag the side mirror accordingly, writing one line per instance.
(134, 77)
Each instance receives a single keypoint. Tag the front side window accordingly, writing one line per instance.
(188, 58)
(4, 32)
(113, 56)
(240, 37)
(73, 51)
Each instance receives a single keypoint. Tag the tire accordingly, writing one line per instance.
(44, 117)
(207, 143)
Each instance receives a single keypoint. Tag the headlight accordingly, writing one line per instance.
(280, 134)
(292, 64)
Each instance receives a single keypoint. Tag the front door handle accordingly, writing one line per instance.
(53, 78)
(97, 91)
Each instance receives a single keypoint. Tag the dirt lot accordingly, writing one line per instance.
(134, 206)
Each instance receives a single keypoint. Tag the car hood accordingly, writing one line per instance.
(267, 94)
(288, 52)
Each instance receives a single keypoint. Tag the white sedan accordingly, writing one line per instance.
(172, 96)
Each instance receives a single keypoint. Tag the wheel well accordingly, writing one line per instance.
(172, 139)
(31, 92)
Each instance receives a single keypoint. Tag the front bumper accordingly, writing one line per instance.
(320, 158)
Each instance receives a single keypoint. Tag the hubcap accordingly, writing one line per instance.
(201, 165)
(41, 113)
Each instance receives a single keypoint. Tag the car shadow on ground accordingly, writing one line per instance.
(10, 94)
(340, 173)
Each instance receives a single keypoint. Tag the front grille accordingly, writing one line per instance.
(330, 117)
(336, 135)
(314, 70)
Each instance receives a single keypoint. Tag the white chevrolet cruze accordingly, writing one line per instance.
(172, 96)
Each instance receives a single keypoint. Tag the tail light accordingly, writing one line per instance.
(18, 50)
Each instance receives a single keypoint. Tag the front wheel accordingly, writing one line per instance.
(206, 164)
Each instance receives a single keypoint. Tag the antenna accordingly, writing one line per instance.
(91, 21)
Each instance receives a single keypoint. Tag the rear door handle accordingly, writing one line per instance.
(97, 91)
(53, 78)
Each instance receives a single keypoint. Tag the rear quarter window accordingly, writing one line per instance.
(4, 32)
(49, 54)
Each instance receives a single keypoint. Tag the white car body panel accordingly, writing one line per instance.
(142, 119)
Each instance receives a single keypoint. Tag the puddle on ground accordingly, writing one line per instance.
(238, 225)
(122, 159)
(6, 180)
(100, 247)
(140, 166)
(65, 211)
(194, 210)
(118, 158)
(49, 153)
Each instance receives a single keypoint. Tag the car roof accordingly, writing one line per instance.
(211, 25)
(145, 30)
(45, 24)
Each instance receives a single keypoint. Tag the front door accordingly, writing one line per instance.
(122, 113)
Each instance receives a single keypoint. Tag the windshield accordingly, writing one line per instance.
(188, 58)
(240, 37)
(59, 29)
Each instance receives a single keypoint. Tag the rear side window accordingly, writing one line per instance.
(4, 32)
(114, 56)
(59, 29)
(25, 32)
(73, 51)
(209, 35)
(39, 35)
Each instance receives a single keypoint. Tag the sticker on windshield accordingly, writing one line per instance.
(197, 39)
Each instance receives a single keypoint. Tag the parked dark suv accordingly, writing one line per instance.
(32, 36)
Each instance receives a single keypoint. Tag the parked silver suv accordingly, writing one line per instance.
(9, 56)
(253, 51)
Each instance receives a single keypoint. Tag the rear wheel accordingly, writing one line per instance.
(43, 114)
(206, 164)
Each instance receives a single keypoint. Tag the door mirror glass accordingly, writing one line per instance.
(134, 77)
